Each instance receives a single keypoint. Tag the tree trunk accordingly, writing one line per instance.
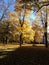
(45, 34)
(21, 41)
(46, 42)
(3, 40)
(6, 40)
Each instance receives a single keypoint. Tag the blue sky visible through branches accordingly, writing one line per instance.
(31, 17)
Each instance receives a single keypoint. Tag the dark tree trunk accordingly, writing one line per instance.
(21, 24)
(46, 41)
(3, 40)
(21, 41)
(6, 40)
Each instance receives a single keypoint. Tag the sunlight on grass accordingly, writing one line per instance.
(8, 47)
(2, 56)
(33, 45)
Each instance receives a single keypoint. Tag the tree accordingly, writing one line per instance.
(45, 33)
(22, 11)
(45, 3)
(39, 31)
(5, 6)
(7, 31)
(25, 30)
(34, 5)
(28, 33)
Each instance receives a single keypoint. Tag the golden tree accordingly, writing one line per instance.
(26, 31)
(32, 5)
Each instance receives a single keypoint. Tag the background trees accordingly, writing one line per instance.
(20, 16)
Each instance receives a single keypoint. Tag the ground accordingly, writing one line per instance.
(26, 55)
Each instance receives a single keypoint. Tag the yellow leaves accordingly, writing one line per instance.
(38, 36)
(32, 34)
(13, 16)
(19, 29)
(29, 35)
(14, 33)
(27, 32)
(45, 0)
(28, 12)
(42, 30)
(26, 27)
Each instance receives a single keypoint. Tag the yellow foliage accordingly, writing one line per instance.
(27, 33)
(38, 36)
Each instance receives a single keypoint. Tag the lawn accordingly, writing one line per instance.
(27, 55)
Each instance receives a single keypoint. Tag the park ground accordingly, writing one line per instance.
(28, 54)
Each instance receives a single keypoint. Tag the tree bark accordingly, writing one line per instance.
(3, 40)
(21, 41)
(46, 41)
(6, 40)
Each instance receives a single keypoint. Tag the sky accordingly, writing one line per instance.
(12, 6)
(31, 17)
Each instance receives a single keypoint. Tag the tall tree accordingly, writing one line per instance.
(5, 6)
(25, 29)
(34, 5)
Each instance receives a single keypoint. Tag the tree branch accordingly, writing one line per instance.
(43, 5)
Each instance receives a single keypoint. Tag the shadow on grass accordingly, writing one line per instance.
(27, 56)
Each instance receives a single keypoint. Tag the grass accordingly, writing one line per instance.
(27, 55)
